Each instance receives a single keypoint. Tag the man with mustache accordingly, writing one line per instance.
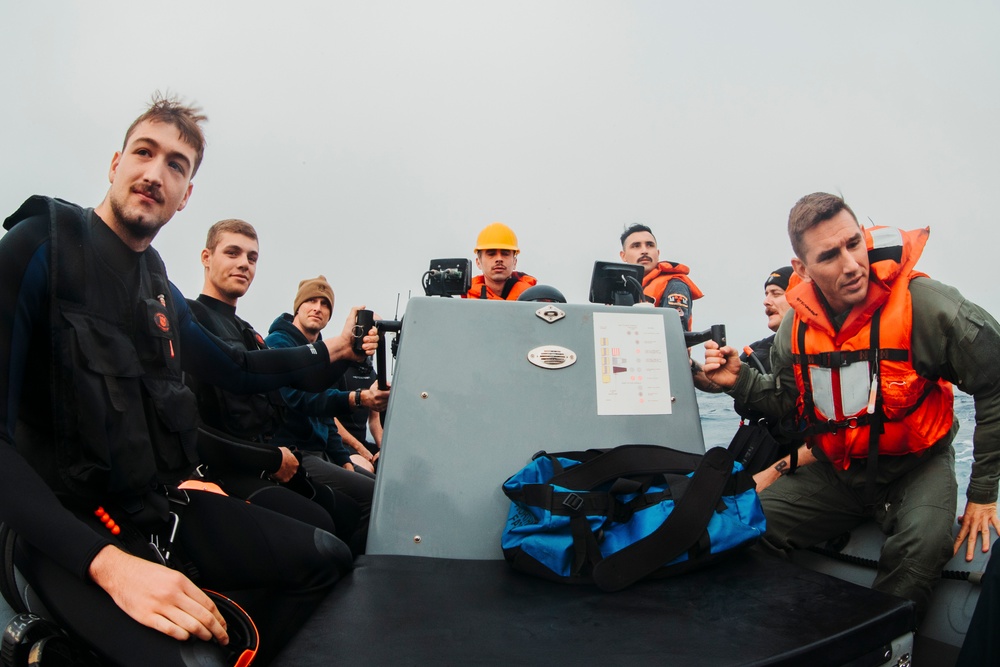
(775, 307)
(665, 284)
(496, 256)
(97, 426)
(769, 441)
(866, 360)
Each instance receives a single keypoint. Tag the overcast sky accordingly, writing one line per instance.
(364, 139)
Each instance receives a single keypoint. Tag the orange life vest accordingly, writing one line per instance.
(655, 282)
(834, 369)
(517, 283)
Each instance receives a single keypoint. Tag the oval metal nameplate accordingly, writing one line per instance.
(552, 356)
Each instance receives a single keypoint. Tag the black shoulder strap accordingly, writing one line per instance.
(196, 307)
(808, 407)
(626, 460)
(251, 338)
(682, 529)
(68, 235)
(838, 358)
(611, 465)
(509, 284)
(875, 424)
(158, 274)
(34, 206)
(67, 273)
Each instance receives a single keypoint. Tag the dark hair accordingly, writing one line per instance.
(809, 212)
(185, 118)
(232, 225)
(632, 229)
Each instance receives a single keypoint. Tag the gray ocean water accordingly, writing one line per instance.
(719, 422)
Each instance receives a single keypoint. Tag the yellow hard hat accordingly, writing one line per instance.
(497, 236)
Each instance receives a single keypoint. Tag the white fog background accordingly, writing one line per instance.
(363, 139)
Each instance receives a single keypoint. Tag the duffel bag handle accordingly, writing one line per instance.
(677, 534)
(626, 460)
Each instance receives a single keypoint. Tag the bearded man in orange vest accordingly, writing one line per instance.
(863, 367)
(665, 284)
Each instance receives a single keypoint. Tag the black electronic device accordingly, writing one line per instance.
(448, 277)
(617, 284)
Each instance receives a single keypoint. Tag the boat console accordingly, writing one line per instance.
(478, 388)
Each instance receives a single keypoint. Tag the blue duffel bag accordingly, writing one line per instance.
(612, 517)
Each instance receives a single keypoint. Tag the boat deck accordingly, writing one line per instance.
(749, 610)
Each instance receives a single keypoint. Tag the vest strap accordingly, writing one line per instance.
(875, 427)
(839, 358)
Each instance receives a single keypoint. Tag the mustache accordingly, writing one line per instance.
(149, 190)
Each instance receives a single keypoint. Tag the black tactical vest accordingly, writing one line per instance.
(123, 420)
(253, 417)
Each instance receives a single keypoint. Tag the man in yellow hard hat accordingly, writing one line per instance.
(496, 256)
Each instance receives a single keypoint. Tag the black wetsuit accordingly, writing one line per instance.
(308, 426)
(278, 568)
(781, 442)
(240, 448)
(253, 417)
(358, 376)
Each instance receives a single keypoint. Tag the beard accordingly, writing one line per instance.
(137, 225)
(310, 329)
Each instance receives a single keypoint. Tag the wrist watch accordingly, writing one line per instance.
(357, 398)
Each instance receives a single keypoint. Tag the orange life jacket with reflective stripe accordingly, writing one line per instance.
(863, 373)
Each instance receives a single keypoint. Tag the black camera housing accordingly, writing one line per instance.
(448, 277)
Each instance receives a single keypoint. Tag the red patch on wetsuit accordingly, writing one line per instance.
(162, 322)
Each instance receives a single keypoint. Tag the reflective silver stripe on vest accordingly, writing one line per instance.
(854, 387)
(886, 237)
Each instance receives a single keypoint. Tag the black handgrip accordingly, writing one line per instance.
(363, 323)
